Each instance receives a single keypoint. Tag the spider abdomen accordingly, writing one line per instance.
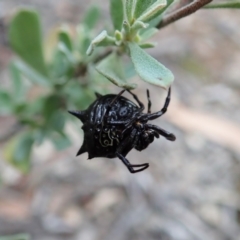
(113, 125)
(102, 125)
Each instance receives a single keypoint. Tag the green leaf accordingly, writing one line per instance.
(16, 237)
(138, 25)
(55, 127)
(26, 40)
(40, 135)
(129, 9)
(153, 11)
(91, 17)
(31, 74)
(64, 49)
(233, 4)
(18, 89)
(78, 97)
(63, 64)
(18, 151)
(147, 45)
(34, 108)
(20, 109)
(102, 39)
(22, 152)
(83, 41)
(57, 121)
(60, 140)
(111, 67)
(141, 6)
(119, 37)
(148, 33)
(65, 38)
(116, 10)
(129, 70)
(59, 66)
(6, 105)
(148, 68)
(156, 19)
(126, 27)
(51, 105)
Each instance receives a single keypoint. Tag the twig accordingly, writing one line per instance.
(182, 12)
(102, 56)
(180, 4)
(82, 67)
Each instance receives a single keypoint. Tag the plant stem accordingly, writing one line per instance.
(182, 12)
(180, 4)
(232, 4)
(102, 56)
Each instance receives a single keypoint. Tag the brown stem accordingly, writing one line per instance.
(102, 56)
(82, 67)
(182, 12)
(180, 4)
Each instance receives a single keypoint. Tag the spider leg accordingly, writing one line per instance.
(117, 96)
(110, 105)
(129, 121)
(125, 147)
(132, 166)
(163, 110)
(169, 136)
(156, 134)
(149, 101)
(137, 99)
(128, 143)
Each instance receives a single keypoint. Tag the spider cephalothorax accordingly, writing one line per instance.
(113, 125)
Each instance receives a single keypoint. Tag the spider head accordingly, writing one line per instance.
(145, 136)
(147, 132)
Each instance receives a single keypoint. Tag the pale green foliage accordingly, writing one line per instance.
(226, 4)
(134, 21)
(57, 67)
(25, 39)
(103, 39)
(148, 68)
(153, 11)
(18, 151)
(16, 237)
(112, 68)
(129, 10)
(116, 10)
(44, 116)
(65, 69)
(141, 7)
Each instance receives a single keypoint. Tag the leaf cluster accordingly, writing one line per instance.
(46, 80)
(65, 71)
(134, 23)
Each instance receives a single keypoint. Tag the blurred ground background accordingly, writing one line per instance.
(192, 187)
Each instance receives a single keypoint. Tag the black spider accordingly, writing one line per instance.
(113, 125)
